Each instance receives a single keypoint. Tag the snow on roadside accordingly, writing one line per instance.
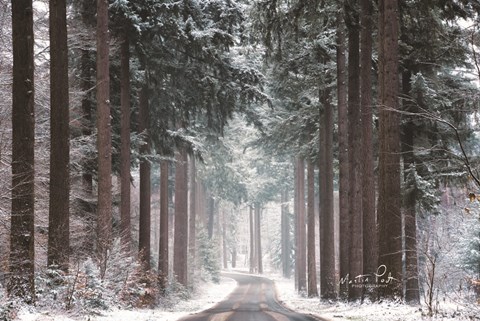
(206, 297)
(342, 311)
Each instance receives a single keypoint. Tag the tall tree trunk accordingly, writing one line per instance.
(88, 203)
(312, 289)
(258, 237)
(224, 240)
(180, 251)
(285, 235)
(370, 254)
(412, 292)
(328, 283)
(163, 240)
(389, 197)
(145, 184)
(253, 266)
(354, 150)
(125, 223)
(343, 155)
(300, 251)
(22, 251)
(86, 87)
(59, 202)
(211, 216)
(104, 138)
(295, 222)
(193, 216)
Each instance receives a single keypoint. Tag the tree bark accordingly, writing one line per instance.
(180, 251)
(389, 198)
(59, 201)
(145, 184)
(21, 283)
(343, 155)
(312, 289)
(125, 222)
(370, 254)
(354, 151)
(104, 138)
(163, 240)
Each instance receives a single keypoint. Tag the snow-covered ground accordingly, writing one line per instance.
(212, 293)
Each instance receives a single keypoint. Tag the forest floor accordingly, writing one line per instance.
(209, 294)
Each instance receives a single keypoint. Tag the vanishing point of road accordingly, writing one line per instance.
(254, 299)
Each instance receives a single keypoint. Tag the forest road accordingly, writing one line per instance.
(254, 299)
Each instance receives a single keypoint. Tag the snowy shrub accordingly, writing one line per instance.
(208, 257)
(469, 256)
(7, 309)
